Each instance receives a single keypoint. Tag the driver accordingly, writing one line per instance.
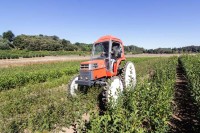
(115, 52)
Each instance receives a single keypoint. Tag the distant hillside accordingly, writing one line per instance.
(54, 43)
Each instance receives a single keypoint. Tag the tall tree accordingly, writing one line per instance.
(9, 35)
(4, 44)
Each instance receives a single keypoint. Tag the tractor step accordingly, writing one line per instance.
(84, 82)
(91, 83)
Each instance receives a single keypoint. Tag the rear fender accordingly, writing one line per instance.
(116, 65)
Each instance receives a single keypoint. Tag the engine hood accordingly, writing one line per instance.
(93, 64)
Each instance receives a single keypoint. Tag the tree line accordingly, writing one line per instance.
(39, 42)
(53, 43)
(187, 49)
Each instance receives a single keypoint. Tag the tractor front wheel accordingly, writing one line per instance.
(110, 92)
(115, 88)
(72, 86)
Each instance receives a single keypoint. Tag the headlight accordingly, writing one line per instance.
(95, 65)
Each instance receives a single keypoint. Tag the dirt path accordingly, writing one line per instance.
(73, 127)
(184, 119)
(52, 59)
(40, 60)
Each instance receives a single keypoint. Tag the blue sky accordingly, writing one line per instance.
(145, 23)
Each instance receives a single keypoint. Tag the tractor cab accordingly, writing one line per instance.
(108, 51)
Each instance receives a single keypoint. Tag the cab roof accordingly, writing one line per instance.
(108, 38)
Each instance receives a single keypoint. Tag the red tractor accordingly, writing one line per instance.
(105, 64)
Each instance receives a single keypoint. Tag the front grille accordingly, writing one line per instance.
(84, 66)
(85, 75)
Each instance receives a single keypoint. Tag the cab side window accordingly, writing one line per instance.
(116, 50)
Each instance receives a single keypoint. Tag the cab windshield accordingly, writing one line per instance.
(100, 50)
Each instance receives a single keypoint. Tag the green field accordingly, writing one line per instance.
(34, 98)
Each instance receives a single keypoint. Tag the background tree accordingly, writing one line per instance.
(134, 49)
(9, 35)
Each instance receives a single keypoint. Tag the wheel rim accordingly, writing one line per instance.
(115, 88)
(73, 86)
(130, 75)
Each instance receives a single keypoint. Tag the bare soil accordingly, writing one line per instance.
(39, 60)
(52, 59)
(185, 118)
(73, 127)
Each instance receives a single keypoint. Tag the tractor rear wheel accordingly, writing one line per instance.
(128, 75)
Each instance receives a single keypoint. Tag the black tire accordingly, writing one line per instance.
(102, 99)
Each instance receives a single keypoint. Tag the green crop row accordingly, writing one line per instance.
(146, 108)
(191, 65)
(19, 76)
(15, 54)
(37, 77)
